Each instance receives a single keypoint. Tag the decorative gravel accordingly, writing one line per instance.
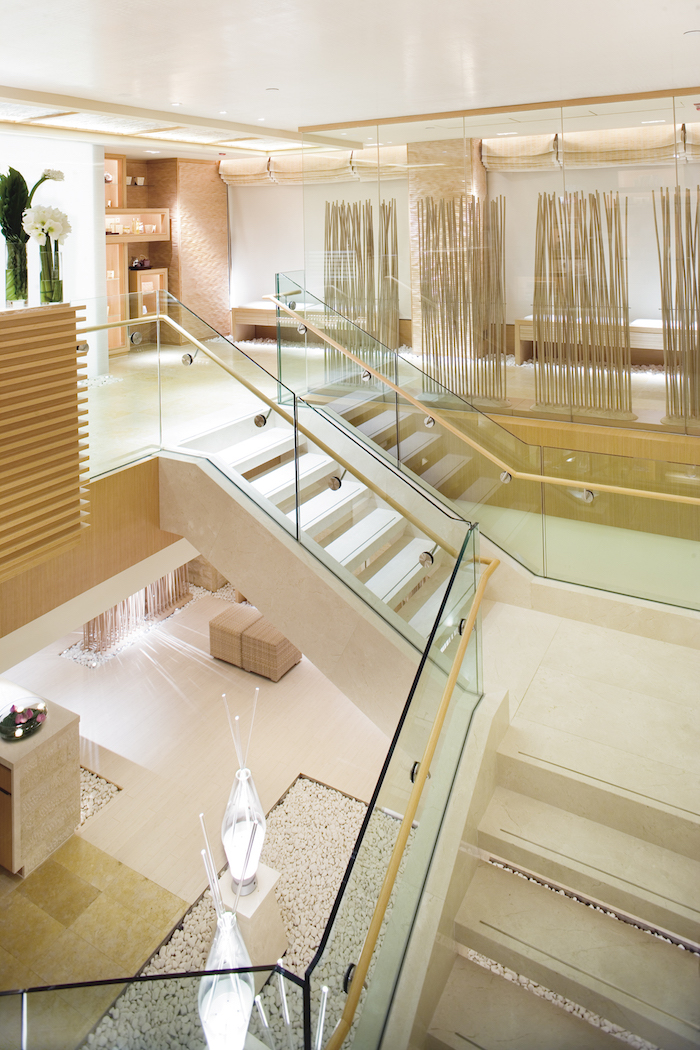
(95, 793)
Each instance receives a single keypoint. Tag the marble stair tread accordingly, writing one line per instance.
(480, 1009)
(413, 445)
(322, 511)
(376, 425)
(638, 877)
(356, 398)
(441, 472)
(648, 799)
(252, 452)
(619, 972)
(279, 484)
(367, 536)
(399, 576)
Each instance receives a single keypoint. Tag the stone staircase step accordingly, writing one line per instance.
(480, 1009)
(322, 511)
(366, 537)
(279, 484)
(394, 581)
(650, 800)
(627, 873)
(621, 973)
(255, 451)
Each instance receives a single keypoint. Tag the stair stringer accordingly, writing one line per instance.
(364, 657)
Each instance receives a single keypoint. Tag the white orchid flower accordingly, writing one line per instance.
(53, 173)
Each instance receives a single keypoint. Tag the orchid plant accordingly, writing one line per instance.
(49, 227)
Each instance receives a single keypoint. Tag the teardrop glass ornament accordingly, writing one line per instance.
(244, 819)
(226, 1000)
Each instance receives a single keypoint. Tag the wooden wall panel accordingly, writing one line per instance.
(43, 501)
(203, 216)
(124, 517)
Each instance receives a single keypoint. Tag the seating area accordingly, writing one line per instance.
(243, 637)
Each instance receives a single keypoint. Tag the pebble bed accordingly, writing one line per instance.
(95, 793)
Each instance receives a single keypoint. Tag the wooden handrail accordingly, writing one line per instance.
(358, 979)
(546, 479)
(289, 418)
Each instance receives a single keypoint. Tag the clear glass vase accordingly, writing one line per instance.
(226, 1000)
(243, 820)
(51, 285)
(16, 290)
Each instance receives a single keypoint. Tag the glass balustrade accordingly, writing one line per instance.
(622, 542)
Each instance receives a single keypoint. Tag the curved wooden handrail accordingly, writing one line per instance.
(358, 979)
(289, 418)
(545, 479)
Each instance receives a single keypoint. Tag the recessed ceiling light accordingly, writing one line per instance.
(272, 89)
(500, 133)
(689, 32)
(654, 121)
(222, 112)
(176, 103)
(261, 118)
(151, 151)
(343, 133)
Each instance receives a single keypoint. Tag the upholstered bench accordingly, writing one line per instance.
(226, 629)
(243, 637)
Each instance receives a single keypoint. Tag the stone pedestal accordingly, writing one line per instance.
(259, 920)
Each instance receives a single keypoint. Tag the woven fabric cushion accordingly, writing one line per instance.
(225, 632)
(267, 652)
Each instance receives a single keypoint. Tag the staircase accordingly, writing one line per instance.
(623, 836)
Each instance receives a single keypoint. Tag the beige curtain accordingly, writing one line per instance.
(520, 153)
(692, 141)
(380, 162)
(245, 171)
(617, 147)
(313, 167)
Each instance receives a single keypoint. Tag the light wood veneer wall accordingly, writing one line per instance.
(124, 519)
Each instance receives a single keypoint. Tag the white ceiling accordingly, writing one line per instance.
(331, 63)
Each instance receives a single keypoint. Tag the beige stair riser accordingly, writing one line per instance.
(606, 892)
(642, 817)
(622, 974)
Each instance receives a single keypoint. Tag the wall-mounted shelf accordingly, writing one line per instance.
(127, 225)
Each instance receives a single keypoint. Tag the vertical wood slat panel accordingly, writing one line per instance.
(40, 368)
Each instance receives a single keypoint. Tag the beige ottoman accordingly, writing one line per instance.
(267, 652)
(225, 632)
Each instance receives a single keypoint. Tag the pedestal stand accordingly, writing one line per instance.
(259, 919)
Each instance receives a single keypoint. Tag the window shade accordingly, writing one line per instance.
(383, 162)
(520, 153)
(617, 147)
(313, 167)
(245, 171)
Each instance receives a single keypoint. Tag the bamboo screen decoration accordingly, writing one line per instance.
(580, 309)
(462, 282)
(154, 601)
(43, 499)
(350, 286)
(678, 241)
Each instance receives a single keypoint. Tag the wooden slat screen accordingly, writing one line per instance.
(43, 435)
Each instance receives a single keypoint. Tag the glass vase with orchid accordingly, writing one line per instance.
(15, 198)
(49, 227)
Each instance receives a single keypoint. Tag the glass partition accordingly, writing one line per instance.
(346, 931)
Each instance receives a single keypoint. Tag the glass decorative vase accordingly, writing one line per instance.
(51, 285)
(225, 1001)
(243, 832)
(16, 291)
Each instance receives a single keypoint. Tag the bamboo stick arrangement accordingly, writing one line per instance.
(156, 600)
(368, 303)
(678, 247)
(580, 309)
(462, 282)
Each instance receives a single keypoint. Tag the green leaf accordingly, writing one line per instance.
(13, 202)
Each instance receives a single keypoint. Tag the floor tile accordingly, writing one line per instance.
(58, 891)
(26, 931)
(138, 894)
(88, 862)
(15, 974)
(72, 958)
(119, 933)
(53, 1024)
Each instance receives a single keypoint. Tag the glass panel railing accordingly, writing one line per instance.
(350, 920)
(449, 444)
(385, 538)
